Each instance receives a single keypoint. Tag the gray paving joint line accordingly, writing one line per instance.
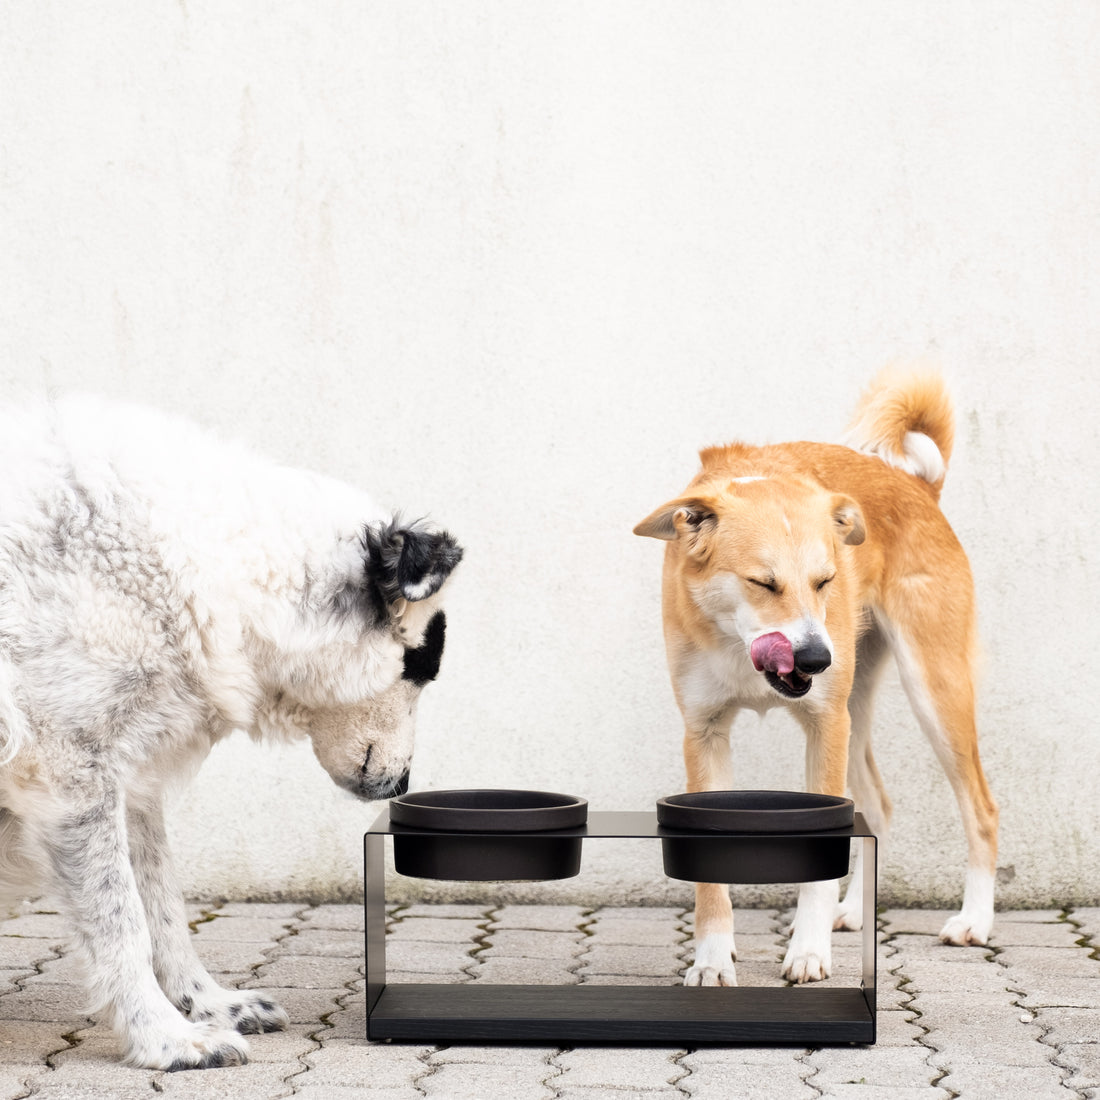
(993, 956)
(939, 1071)
(1058, 1049)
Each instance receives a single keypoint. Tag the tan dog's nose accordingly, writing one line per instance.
(812, 658)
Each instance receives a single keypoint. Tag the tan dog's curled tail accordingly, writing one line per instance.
(907, 420)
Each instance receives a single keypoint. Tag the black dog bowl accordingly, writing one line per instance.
(487, 835)
(758, 836)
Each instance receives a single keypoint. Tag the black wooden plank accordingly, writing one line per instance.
(661, 1014)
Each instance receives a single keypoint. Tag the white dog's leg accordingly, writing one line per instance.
(181, 974)
(809, 954)
(88, 852)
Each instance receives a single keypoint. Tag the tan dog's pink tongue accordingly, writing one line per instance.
(772, 653)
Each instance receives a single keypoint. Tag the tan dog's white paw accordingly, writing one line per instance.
(714, 955)
(964, 931)
(849, 918)
(803, 968)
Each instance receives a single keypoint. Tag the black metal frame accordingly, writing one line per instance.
(476, 1012)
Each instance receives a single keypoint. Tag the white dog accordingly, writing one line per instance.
(158, 590)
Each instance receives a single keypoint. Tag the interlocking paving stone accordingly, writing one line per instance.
(1069, 1025)
(285, 911)
(228, 957)
(1083, 1062)
(989, 1081)
(760, 1073)
(494, 1055)
(1016, 1018)
(456, 1081)
(1006, 1043)
(469, 912)
(644, 1068)
(21, 953)
(363, 1064)
(1051, 992)
(613, 1092)
(61, 1003)
(530, 944)
(38, 925)
(520, 971)
(865, 1090)
(338, 917)
(1058, 934)
(320, 942)
(623, 959)
(357, 1092)
(16, 1080)
(255, 1079)
(543, 918)
(435, 930)
(1089, 921)
(453, 977)
(308, 1006)
(305, 972)
(27, 1041)
(587, 978)
(243, 929)
(640, 912)
(428, 957)
(1046, 960)
(899, 1067)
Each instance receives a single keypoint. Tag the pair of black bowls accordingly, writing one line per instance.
(706, 836)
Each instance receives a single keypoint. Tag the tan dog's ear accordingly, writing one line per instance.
(676, 518)
(849, 520)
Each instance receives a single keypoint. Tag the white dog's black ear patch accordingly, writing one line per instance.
(406, 561)
(422, 663)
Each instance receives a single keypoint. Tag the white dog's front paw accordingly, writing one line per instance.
(186, 1046)
(714, 955)
(245, 1010)
(963, 930)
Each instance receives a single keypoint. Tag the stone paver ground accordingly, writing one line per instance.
(1018, 1018)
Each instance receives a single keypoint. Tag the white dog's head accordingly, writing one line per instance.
(366, 639)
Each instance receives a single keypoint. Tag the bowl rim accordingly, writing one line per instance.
(436, 810)
(803, 811)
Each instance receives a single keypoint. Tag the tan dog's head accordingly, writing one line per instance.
(759, 560)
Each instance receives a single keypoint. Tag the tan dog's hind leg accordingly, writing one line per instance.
(710, 768)
(938, 681)
(809, 954)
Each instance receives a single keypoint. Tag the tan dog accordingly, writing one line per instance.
(791, 572)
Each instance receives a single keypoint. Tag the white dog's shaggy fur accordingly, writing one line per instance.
(159, 589)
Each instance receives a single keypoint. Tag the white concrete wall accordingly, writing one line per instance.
(512, 264)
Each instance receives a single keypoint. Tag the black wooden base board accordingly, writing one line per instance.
(628, 1014)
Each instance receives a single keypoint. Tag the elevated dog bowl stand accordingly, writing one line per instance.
(483, 1013)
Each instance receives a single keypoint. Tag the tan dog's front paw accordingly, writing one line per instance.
(708, 975)
(804, 968)
(714, 955)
